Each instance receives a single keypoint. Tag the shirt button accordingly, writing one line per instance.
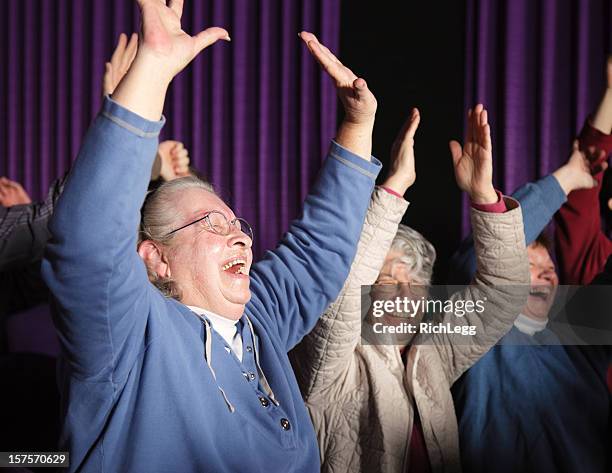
(249, 348)
(264, 401)
(285, 424)
(246, 375)
(251, 376)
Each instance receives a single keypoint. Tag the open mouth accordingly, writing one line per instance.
(236, 266)
(541, 292)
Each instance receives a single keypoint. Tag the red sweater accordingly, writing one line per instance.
(582, 246)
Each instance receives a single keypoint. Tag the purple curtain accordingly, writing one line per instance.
(256, 114)
(539, 67)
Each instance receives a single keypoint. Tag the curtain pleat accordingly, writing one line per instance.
(14, 96)
(48, 140)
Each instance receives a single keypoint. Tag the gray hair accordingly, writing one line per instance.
(418, 254)
(158, 218)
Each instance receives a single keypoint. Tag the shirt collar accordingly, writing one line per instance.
(528, 325)
(222, 325)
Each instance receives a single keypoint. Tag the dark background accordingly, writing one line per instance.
(412, 55)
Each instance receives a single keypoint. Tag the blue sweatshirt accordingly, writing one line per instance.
(146, 384)
(531, 404)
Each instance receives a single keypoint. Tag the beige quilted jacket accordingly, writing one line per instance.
(360, 397)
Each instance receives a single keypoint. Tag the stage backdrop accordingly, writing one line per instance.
(538, 66)
(256, 114)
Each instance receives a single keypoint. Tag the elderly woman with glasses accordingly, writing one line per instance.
(381, 401)
(199, 381)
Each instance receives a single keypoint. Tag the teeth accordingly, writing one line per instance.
(540, 292)
(233, 263)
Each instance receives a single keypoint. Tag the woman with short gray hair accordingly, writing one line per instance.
(384, 404)
(415, 252)
(199, 381)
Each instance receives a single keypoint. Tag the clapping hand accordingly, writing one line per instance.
(163, 40)
(174, 159)
(12, 193)
(474, 161)
(402, 172)
(577, 173)
(120, 62)
(164, 50)
(358, 101)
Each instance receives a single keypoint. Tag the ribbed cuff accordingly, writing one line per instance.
(369, 168)
(130, 120)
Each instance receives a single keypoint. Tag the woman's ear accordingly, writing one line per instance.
(154, 259)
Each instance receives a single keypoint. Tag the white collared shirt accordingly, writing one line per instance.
(224, 327)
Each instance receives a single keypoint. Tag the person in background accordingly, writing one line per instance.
(583, 246)
(531, 403)
(386, 406)
(199, 381)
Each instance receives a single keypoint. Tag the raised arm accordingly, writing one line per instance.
(91, 265)
(324, 355)
(165, 50)
(582, 247)
(305, 273)
(172, 159)
(355, 131)
(501, 282)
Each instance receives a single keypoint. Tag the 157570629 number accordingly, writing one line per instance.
(38, 459)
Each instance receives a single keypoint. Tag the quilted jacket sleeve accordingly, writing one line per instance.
(325, 353)
(501, 282)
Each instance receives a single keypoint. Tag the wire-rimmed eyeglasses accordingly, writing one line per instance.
(218, 223)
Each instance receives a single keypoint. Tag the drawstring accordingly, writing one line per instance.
(262, 376)
(208, 357)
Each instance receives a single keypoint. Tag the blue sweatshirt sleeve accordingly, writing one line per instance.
(294, 284)
(99, 283)
(539, 201)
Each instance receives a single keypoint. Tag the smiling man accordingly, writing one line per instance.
(198, 381)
